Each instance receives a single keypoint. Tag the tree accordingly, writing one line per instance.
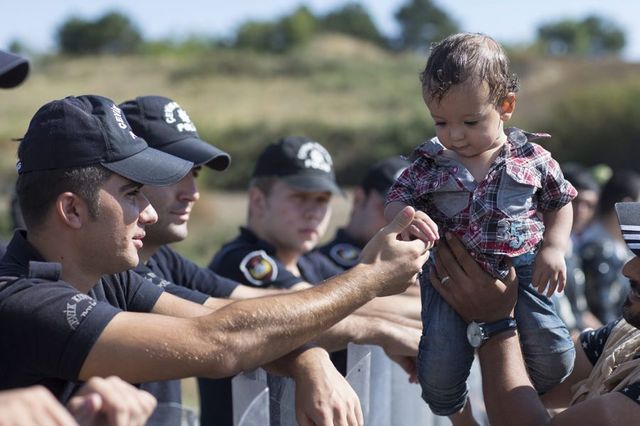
(422, 23)
(592, 36)
(112, 33)
(354, 20)
(279, 36)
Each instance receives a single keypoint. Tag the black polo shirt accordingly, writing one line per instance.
(343, 250)
(171, 266)
(252, 261)
(47, 327)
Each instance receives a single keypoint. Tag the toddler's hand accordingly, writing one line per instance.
(549, 271)
(422, 228)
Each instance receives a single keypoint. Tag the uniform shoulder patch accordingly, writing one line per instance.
(345, 254)
(259, 268)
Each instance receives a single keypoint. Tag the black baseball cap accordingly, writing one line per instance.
(629, 219)
(13, 69)
(300, 162)
(383, 174)
(91, 130)
(167, 127)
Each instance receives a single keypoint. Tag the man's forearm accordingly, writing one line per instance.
(399, 304)
(394, 337)
(508, 392)
(286, 321)
(297, 361)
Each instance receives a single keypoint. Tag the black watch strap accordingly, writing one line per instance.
(496, 327)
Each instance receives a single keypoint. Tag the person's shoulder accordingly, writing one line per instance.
(594, 341)
(167, 257)
(244, 246)
(427, 150)
(247, 261)
(341, 251)
(343, 254)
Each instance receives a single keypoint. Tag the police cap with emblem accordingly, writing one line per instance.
(167, 127)
(383, 174)
(13, 69)
(91, 130)
(299, 161)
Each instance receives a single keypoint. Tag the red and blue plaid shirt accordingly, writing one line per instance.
(497, 217)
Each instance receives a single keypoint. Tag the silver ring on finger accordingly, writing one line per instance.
(444, 279)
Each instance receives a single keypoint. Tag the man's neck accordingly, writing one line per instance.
(288, 257)
(53, 250)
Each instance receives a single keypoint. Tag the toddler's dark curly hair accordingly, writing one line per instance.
(468, 56)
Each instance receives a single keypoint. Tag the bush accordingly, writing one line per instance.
(598, 125)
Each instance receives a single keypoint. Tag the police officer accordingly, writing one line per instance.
(80, 173)
(289, 210)
(167, 127)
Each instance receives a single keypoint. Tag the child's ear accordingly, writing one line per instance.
(507, 106)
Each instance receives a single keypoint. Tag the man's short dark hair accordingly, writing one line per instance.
(38, 190)
(263, 183)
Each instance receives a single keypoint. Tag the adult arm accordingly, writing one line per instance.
(246, 292)
(245, 334)
(399, 304)
(323, 396)
(508, 392)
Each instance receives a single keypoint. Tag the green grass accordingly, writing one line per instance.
(363, 103)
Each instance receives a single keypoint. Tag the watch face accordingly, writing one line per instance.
(474, 334)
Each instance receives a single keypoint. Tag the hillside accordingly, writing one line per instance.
(335, 87)
(362, 102)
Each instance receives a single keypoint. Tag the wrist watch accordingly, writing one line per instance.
(479, 332)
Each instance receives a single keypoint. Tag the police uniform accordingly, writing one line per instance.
(343, 250)
(167, 267)
(48, 328)
(253, 262)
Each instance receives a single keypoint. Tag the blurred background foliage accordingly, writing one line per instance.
(335, 78)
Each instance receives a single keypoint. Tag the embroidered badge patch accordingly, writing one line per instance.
(345, 254)
(259, 268)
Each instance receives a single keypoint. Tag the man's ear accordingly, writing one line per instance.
(257, 201)
(507, 106)
(71, 210)
(359, 198)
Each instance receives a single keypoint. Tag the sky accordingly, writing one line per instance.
(34, 22)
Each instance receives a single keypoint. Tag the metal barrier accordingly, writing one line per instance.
(386, 396)
(250, 398)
